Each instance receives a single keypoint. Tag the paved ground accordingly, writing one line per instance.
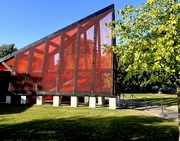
(167, 112)
(164, 112)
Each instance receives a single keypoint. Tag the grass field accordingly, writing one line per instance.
(153, 99)
(64, 123)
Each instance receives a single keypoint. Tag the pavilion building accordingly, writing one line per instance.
(67, 63)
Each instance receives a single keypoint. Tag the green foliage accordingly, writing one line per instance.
(7, 49)
(148, 42)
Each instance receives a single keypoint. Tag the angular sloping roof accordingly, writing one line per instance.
(70, 61)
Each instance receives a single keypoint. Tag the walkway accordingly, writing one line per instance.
(170, 113)
(167, 112)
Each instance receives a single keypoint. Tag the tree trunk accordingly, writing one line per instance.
(178, 95)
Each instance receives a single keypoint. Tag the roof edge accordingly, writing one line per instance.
(10, 56)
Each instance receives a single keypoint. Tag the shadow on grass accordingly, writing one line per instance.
(92, 129)
(9, 108)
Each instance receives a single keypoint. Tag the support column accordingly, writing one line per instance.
(74, 101)
(101, 100)
(40, 100)
(112, 103)
(24, 99)
(92, 102)
(86, 99)
(56, 100)
(8, 99)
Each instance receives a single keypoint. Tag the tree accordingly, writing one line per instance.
(7, 49)
(148, 42)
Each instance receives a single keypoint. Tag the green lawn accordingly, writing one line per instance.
(153, 99)
(33, 122)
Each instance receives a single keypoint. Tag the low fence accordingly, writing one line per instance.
(134, 102)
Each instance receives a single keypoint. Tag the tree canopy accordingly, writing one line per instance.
(148, 42)
(7, 49)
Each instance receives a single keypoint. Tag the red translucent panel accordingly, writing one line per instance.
(51, 49)
(36, 59)
(21, 61)
(103, 61)
(9, 63)
(71, 32)
(34, 74)
(40, 47)
(19, 71)
(84, 24)
(56, 40)
(67, 61)
(3, 68)
(85, 57)
(51, 64)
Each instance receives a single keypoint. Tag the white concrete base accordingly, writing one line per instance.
(74, 101)
(8, 99)
(112, 103)
(24, 100)
(86, 99)
(56, 100)
(101, 100)
(40, 100)
(92, 102)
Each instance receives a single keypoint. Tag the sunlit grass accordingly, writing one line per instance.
(33, 122)
(154, 99)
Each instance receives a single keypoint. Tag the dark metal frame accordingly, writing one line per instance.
(60, 32)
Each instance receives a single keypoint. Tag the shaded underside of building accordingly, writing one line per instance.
(68, 62)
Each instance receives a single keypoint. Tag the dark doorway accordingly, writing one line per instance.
(4, 84)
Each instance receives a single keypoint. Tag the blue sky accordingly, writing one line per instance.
(26, 21)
